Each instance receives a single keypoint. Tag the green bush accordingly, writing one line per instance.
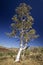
(1, 54)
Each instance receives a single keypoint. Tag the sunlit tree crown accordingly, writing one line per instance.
(22, 22)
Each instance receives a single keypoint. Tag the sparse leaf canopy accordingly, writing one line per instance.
(23, 22)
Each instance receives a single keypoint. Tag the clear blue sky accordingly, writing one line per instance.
(7, 10)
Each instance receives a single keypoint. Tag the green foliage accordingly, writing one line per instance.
(1, 54)
(11, 53)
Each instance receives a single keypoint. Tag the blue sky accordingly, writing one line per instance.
(7, 10)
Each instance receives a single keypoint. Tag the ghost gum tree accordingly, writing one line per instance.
(22, 23)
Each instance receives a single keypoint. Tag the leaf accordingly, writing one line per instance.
(32, 31)
(11, 34)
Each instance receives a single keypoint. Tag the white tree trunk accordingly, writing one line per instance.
(18, 55)
(19, 52)
(25, 46)
(21, 48)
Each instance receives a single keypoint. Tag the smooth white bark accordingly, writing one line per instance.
(21, 48)
(19, 52)
(18, 55)
(25, 46)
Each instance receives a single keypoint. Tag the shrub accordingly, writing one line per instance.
(1, 54)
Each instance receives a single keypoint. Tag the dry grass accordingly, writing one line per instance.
(10, 61)
(32, 57)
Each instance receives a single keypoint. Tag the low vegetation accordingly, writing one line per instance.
(31, 56)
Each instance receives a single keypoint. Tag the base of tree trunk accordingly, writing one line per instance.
(18, 55)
